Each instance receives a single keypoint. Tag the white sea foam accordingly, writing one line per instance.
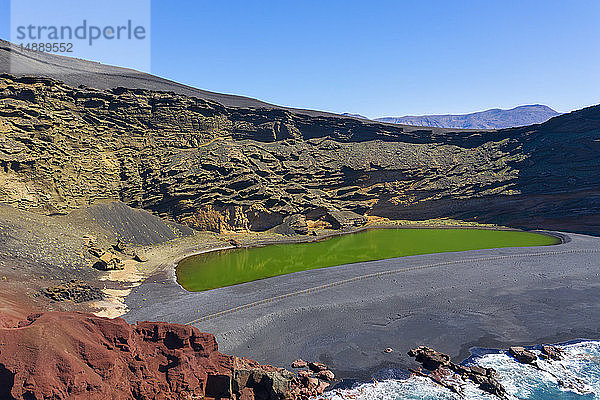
(576, 377)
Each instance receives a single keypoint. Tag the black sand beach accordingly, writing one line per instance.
(451, 301)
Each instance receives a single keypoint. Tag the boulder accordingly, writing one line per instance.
(552, 353)
(522, 355)
(109, 261)
(317, 367)
(429, 358)
(299, 363)
(139, 257)
(326, 375)
(304, 374)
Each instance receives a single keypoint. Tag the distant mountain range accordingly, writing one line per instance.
(489, 119)
(354, 115)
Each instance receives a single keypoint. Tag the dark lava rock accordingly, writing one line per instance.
(522, 355)
(317, 366)
(552, 353)
(326, 375)
(439, 363)
(109, 261)
(75, 291)
(429, 358)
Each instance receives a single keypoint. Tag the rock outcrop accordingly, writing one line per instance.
(109, 261)
(552, 353)
(522, 355)
(221, 168)
(443, 370)
(73, 290)
(58, 356)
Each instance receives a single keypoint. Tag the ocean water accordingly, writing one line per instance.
(577, 377)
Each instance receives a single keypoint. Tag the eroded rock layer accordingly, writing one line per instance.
(220, 168)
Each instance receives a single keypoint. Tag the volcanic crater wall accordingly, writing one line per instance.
(215, 167)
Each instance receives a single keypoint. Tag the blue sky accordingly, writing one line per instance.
(382, 58)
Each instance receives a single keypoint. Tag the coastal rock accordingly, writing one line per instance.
(522, 355)
(442, 368)
(335, 219)
(317, 366)
(326, 375)
(552, 353)
(304, 374)
(299, 363)
(347, 219)
(429, 358)
(100, 358)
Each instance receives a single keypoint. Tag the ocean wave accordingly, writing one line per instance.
(577, 376)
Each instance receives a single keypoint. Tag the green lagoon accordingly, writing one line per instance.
(229, 267)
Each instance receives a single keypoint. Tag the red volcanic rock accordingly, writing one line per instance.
(304, 374)
(299, 363)
(59, 355)
(326, 375)
(316, 366)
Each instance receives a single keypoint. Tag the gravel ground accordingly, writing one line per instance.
(489, 298)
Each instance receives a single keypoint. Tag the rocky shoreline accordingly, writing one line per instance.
(101, 358)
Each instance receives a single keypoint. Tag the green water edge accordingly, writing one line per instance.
(233, 266)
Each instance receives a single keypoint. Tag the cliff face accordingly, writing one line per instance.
(74, 356)
(214, 167)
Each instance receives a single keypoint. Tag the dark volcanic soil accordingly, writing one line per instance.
(39, 252)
